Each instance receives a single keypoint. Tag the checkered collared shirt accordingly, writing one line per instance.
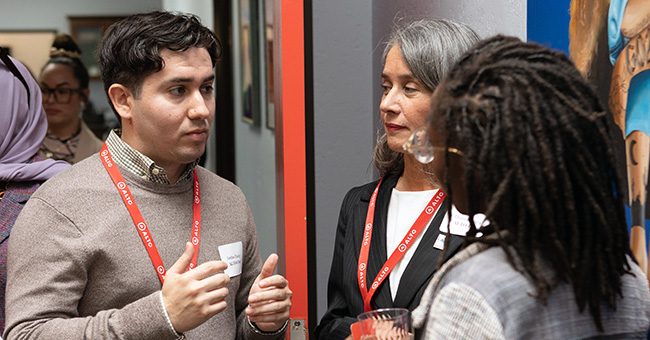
(139, 164)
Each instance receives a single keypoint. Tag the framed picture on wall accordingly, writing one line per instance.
(250, 68)
(267, 33)
(87, 33)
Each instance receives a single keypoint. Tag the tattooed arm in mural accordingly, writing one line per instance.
(629, 43)
(626, 22)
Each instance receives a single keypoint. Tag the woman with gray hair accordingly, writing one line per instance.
(389, 235)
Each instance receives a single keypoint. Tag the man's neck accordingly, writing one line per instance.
(172, 170)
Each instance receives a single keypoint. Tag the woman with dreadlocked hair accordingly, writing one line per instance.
(525, 134)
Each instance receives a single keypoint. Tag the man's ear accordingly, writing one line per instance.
(122, 99)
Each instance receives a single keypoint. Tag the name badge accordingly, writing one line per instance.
(440, 242)
(232, 254)
(460, 223)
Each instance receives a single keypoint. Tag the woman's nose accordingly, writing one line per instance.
(389, 102)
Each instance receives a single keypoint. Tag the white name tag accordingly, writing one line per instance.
(440, 242)
(232, 254)
(460, 223)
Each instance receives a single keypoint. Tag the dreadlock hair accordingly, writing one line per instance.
(540, 163)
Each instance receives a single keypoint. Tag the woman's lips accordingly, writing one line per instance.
(52, 112)
(393, 127)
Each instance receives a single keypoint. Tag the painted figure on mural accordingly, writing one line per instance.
(628, 36)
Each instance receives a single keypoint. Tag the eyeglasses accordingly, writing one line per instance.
(62, 95)
(419, 146)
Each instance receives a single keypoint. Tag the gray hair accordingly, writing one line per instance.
(430, 48)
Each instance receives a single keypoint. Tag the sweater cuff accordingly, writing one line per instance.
(261, 332)
(179, 336)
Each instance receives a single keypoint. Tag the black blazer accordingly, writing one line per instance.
(344, 301)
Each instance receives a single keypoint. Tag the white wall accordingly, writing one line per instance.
(48, 14)
(487, 17)
(201, 8)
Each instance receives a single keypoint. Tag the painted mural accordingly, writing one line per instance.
(623, 26)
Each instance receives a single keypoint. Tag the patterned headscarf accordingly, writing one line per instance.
(22, 128)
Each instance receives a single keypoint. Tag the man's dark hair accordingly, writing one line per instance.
(130, 49)
(539, 158)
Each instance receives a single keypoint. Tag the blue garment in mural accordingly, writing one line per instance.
(637, 115)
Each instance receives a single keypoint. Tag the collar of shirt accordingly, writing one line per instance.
(60, 149)
(137, 163)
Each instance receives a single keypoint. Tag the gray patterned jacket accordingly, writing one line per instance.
(478, 295)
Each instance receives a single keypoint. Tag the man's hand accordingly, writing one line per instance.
(269, 300)
(193, 297)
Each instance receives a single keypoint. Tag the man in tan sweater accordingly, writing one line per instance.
(139, 242)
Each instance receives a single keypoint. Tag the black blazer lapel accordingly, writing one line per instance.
(377, 256)
(359, 220)
(424, 263)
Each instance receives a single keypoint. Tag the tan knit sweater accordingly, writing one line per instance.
(78, 270)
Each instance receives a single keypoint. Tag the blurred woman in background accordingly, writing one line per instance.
(64, 86)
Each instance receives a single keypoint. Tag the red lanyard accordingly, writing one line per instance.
(138, 220)
(396, 256)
